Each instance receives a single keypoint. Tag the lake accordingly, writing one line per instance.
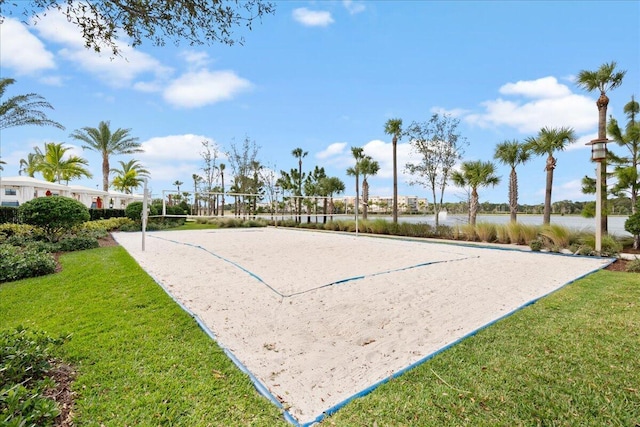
(574, 222)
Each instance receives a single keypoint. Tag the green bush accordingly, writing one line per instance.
(25, 362)
(632, 224)
(536, 245)
(77, 243)
(19, 263)
(55, 214)
(634, 266)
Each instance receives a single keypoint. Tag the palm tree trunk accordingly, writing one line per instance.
(602, 103)
(473, 206)
(513, 195)
(395, 180)
(365, 199)
(105, 172)
(546, 218)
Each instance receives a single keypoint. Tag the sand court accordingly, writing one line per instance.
(317, 318)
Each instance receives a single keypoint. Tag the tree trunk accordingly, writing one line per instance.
(473, 206)
(395, 180)
(546, 219)
(365, 199)
(105, 172)
(513, 195)
(602, 103)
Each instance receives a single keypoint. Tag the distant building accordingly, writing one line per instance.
(16, 190)
(384, 204)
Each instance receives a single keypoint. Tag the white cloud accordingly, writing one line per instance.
(546, 87)
(353, 7)
(546, 103)
(21, 50)
(332, 150)
(196, 60)
(118, 71)
(312, 18)
(173, 147)
(204, 87)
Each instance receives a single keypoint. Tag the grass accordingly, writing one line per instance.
(570, 359)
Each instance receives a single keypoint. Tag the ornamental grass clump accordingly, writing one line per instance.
(556, 236)
(502, 234)
(634, 266)
(486, 231)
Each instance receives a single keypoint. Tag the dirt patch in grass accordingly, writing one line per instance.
(63, 375)
(107, 241)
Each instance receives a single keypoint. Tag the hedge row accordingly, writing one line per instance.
(9, 214)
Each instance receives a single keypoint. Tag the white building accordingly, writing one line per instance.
(16, 190)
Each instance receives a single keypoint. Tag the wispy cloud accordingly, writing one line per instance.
(204, 87)
(538, 103)
(353, 7)
(22, 51)
(312, 18)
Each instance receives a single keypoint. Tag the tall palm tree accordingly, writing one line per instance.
(222, 167)
(2, 162)
(56, 167)
(368, 167)
(23, 110)
(604, 79)
(548, 141)
(131, 175)
(393, 127)
(475, 174)
(29, 166)
(358, 154)
(334, 185)
(512, 153)
(107, 143)
(299, 154)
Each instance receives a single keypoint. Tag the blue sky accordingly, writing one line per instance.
(326, 75)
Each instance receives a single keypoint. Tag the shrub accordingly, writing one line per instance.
(634, 266)
(468, 232)
(536, 245)
(77, 243)
(54, 214)
(19, 263)
(107, 224)
(632, 224)
(609, 246)
(8, 214)
(24, 365)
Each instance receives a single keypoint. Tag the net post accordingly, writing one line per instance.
(145, 214)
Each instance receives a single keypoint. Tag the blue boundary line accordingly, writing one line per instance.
(263, 390)
(396, 374)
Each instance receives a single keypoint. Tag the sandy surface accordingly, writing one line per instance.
(319, 317)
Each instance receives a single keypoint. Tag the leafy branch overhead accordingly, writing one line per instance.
(197, 22)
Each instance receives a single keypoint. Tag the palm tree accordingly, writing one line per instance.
(56, 168)
(604, 79)
(512, 153)
(548, 141)
(2, 162)
(368, 167)
(107, 143)
(299, 154)
(358, 154)
(222, 167)
(393, 127)
(130, 176)
(30, 165)
(332, 185)
(474, 174)
(23, 110)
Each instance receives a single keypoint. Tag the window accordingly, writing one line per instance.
(12, 204)
(10, 192)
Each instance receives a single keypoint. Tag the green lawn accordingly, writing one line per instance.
(570, 359)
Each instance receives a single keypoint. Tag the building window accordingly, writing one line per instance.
(10, 192)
